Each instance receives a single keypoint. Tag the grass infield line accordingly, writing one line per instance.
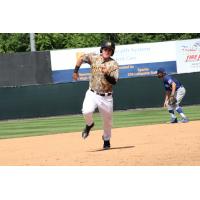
(75, 123)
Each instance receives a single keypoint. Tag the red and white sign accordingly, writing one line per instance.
(188, 56)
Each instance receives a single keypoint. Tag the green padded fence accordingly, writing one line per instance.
(62, 99)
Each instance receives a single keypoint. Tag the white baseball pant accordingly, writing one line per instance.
(105, 107)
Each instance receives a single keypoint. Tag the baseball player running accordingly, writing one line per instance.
(104, 74)
(174, 95)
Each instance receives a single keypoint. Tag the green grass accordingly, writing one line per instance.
(73, 123)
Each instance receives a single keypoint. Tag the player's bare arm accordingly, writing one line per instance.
(76, 69)
(167, 95)
(85, 58)
(173, 89)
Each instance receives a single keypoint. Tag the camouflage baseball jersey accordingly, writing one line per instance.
(98, 82)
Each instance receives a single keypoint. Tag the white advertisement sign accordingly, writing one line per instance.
(188, 56)
(145, 53)
(66, 59)
(124, 54)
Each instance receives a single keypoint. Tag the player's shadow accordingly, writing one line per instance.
(113, 148)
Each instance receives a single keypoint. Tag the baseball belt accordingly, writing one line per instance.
(101, 94)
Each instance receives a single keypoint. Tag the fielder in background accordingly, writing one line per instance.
(173, 96)
(104, 74)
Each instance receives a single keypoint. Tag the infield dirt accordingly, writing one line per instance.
(150, 145)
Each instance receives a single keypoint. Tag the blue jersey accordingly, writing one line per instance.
(168, 80)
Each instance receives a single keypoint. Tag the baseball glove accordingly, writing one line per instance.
(172, 100)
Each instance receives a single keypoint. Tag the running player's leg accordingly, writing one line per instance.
(89, 106)
(105, 106)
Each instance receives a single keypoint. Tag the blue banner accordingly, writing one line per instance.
(125, 71)
(146, 69)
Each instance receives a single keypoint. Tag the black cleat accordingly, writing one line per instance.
(106, 144)
(174, 120)
(86, 130)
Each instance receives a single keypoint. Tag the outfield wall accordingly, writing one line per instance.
(28, 68)
(66, 98)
